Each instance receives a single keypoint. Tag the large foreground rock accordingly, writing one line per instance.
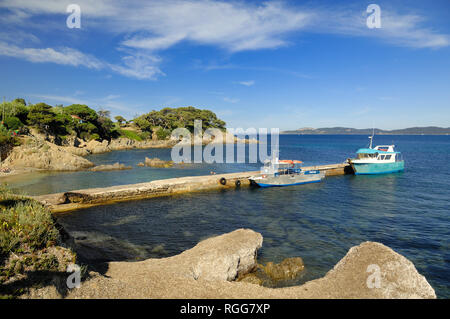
(207, 271)
(354, 276)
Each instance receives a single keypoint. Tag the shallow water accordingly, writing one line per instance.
(319, 222)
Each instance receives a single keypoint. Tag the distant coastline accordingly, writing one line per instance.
(428, 130)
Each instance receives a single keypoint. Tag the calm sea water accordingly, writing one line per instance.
(407, 211)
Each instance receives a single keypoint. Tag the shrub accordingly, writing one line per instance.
(130, 134)
(25, 225)
(162, 134)
(15, 108)
(7, 142)
(13, 123)
(145, 135)
(94, 136)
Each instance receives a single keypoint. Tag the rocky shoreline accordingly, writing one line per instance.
(211, 268)
(39, 153)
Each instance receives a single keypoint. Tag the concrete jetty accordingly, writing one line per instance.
(84, 198)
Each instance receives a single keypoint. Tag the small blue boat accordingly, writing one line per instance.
(276, 173)
(381, 159)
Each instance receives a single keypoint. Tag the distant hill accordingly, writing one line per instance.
(429, 130)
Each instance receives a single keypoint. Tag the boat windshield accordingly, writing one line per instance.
(365, 155)
(289, 171)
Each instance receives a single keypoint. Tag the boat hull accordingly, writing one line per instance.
(290, 180)
(378, 168)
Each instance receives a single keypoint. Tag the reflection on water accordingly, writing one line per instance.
(318, 222)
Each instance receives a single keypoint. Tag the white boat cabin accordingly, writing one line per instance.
(380, 153)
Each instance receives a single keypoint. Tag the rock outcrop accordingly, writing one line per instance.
(126, 144)
(289, 268)
(208, 271)
(156, 162)
(271, 274)
(46, 156)
(65, 154)
(371, 270)
(112, 167)
(96, 147)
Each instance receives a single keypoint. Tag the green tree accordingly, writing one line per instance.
(107, 128)
(42, 116)
(120, 119)
(83, 111)
(104, 113)
(171, 118)
(20, 101)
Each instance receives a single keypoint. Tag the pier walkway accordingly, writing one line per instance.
(84, 198)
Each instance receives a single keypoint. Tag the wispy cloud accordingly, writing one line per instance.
(146, 28)
(386, 98)
(108, 102)
(401, 29)
(111, 97)
(231, 100)
(227, 66)
(140, 67)
(247, 83)
(65, 56)
(362, 111)
(234, 26)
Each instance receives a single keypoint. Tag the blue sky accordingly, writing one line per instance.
(285, 64)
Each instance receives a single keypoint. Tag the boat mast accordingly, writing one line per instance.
(371, 137)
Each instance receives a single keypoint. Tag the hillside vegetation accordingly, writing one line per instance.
(164, 121)
(77, 120)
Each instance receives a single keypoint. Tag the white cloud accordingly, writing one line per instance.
(405, 29)
(145, 28)
(111, 97)
(231, 25)
(59, 99)
(102, 103)
(231, 100)
(140, 66)
(65, 56)
(247, 83)
(235, 26)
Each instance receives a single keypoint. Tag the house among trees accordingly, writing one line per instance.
(76, 117)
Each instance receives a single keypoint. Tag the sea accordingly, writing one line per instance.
(407, 211)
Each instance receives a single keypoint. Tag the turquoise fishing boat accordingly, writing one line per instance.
(381, 159)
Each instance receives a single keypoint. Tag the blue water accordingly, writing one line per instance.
(319, 222)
